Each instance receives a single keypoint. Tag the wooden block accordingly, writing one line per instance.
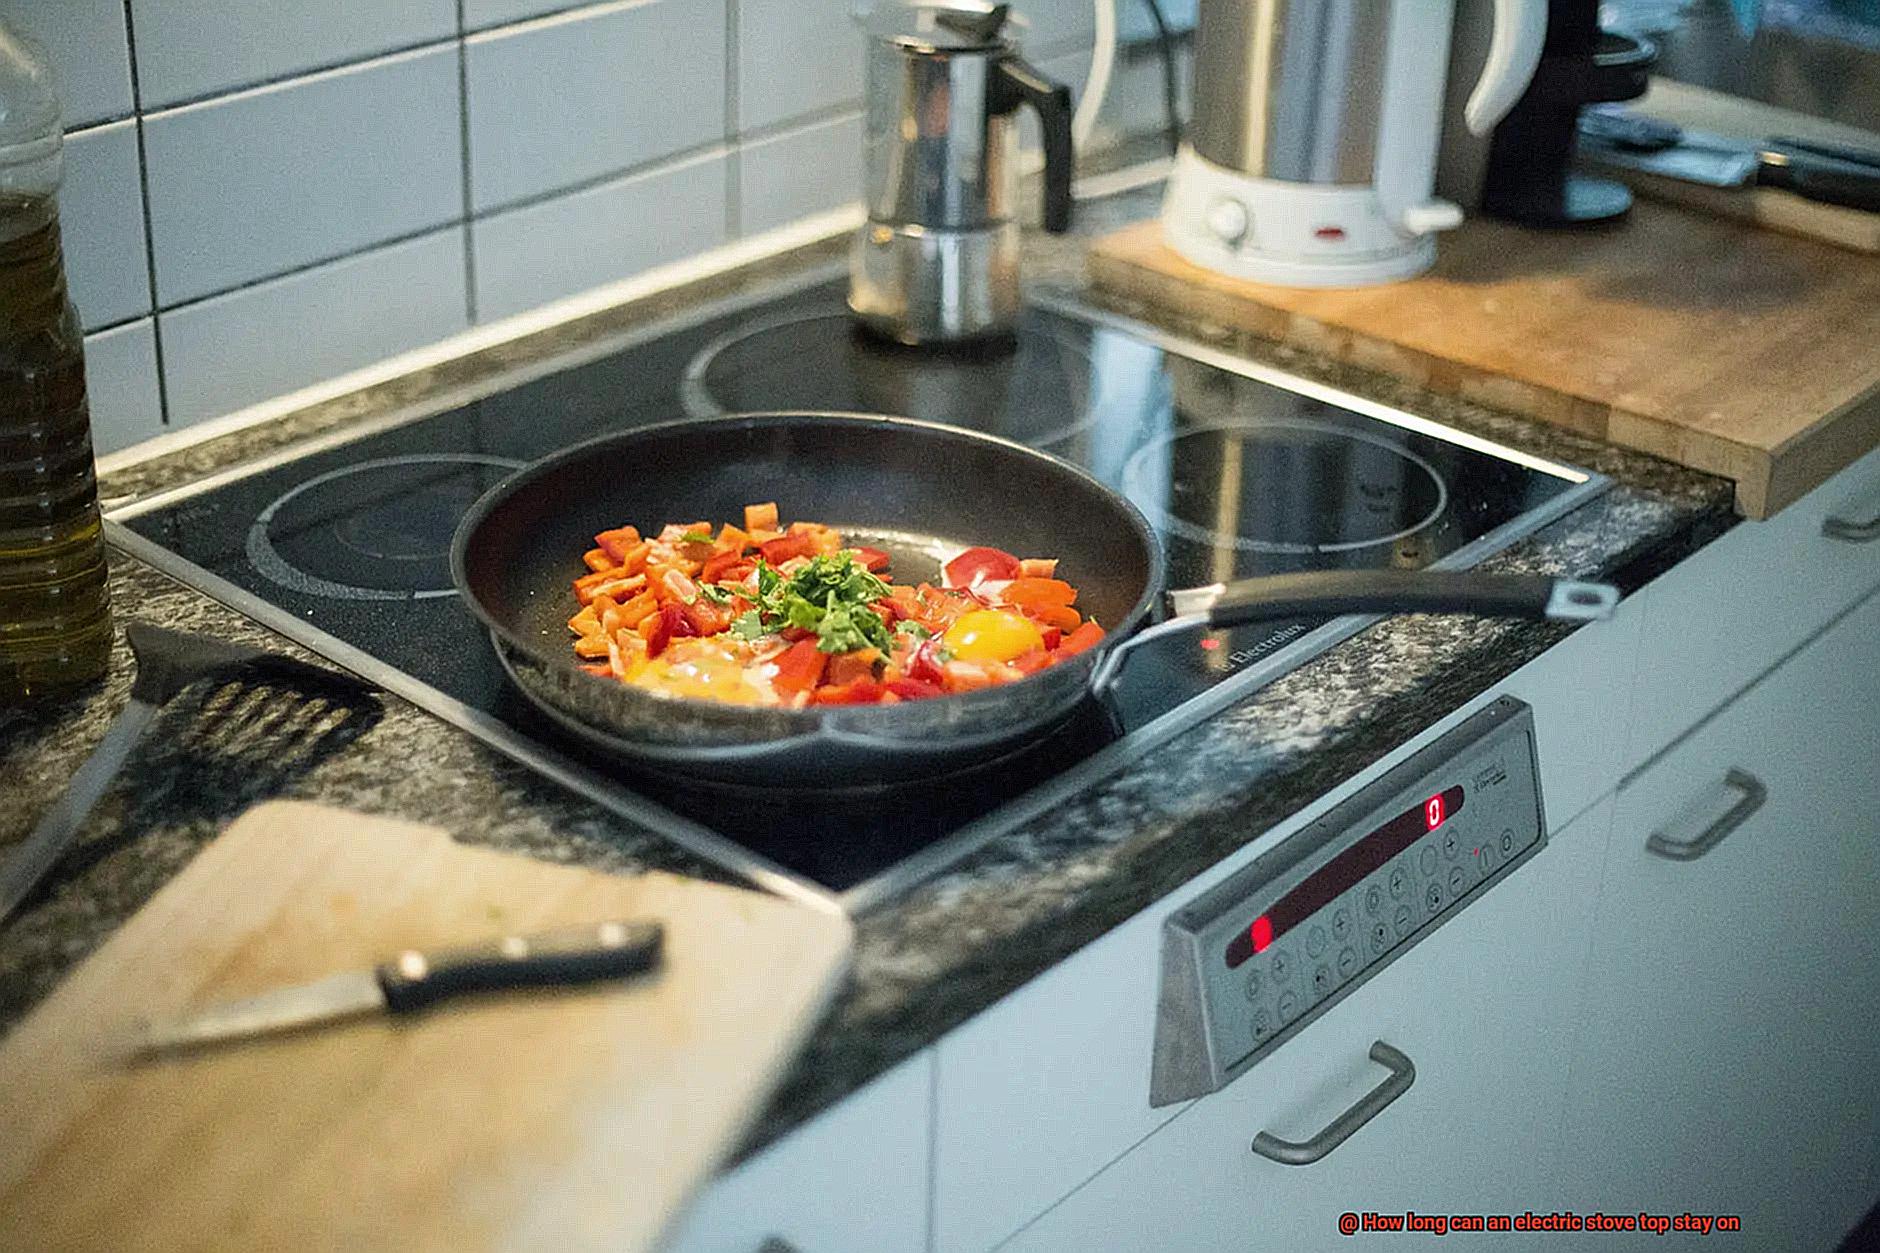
(567, 1119)
(1734, 351)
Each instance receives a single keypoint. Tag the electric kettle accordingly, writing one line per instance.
(937, 259)
(1311, 158)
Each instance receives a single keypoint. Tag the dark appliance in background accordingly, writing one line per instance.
(1528, 178)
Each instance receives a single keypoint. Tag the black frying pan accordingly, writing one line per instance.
(920, 491)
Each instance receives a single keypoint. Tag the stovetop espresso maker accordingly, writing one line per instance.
(937, 259)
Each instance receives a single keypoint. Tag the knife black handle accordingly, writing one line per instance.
(570, 955)
(1823, 179)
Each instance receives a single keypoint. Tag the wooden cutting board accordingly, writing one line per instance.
(567, 1120)
(1736, 351)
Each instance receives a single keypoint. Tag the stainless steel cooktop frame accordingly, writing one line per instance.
(702, 841)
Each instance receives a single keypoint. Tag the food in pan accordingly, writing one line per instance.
(764, 614)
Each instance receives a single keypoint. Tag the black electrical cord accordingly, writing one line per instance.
(1171, 93)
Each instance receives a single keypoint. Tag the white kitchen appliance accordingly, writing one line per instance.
(1311, 157)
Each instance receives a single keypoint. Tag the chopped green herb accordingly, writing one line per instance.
(829, 595)
(908, 626)
(717, 595)
(696, 537)
(748, 626)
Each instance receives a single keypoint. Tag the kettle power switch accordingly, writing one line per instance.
(1431, 216)
(1228, 219)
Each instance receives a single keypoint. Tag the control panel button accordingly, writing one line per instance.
(1380, 938)
(1507, 841)
(1253, 985)
(1262, 1024)
(1402, 920)
(1458, 880)
(1341, 924)
(1281, 967)
(1322, 980)
(1347, 961)
(1428, 860)
(1373, 900)
(1315, 942)
(1433, 897)
(1452, 845)
(1288, 1007)
(1399, 882)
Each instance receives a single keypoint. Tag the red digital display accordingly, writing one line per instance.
(1342, 873)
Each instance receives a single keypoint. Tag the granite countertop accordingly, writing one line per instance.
(927, 959)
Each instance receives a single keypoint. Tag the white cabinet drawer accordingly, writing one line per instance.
(1716, 621)
(1481, 1008)
(1728, 1054)
(852, 1180)
(1043, 1089)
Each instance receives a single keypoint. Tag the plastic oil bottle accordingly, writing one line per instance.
(55, 624)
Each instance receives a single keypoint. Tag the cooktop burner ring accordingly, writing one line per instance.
(274, 565)
(696, 394)
(1173, 524)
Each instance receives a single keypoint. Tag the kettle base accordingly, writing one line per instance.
(916, 285)
(1285, 233)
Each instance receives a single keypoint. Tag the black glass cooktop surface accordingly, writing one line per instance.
(1241, 472)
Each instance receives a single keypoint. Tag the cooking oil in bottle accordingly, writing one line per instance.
(55, 625)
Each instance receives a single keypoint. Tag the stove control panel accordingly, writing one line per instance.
(1250, 962)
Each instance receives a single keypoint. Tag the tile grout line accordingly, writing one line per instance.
(150, 237)
(734, 161)
(463, 161)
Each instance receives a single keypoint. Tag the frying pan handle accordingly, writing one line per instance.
(1321, 593)
(1328, 593)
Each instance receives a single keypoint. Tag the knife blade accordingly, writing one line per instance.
(1717, 161)
(414, 980)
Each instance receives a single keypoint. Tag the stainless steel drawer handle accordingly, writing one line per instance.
(1304, 1152)
(1744, 794)
(1864, 530)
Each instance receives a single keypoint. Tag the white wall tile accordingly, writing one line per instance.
(478, 14)
(589, 93)
(796, 57)
(223, 354)
(90, 54)
(541, 252)
(101, 216)
(800, 172)
(121, 384)
(187, 49)
(251, 185)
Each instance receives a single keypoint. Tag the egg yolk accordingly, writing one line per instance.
(992, 635)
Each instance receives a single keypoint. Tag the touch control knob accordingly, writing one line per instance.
(1228, 220)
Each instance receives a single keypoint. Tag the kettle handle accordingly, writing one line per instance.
(1514, 50)
(1017, 82)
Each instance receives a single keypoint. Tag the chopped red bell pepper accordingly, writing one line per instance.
(873, 559)
(859, 692)
(799, 668)
(616, 542)
(1084, 637)
(786, 547)
(981, 563)
(704, 617)
(915, 689)
(670, 625)
(923, 665)
(1037, 593)
(1052, 638)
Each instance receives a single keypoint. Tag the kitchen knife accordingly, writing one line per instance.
(413, 980)
(1717, 161)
